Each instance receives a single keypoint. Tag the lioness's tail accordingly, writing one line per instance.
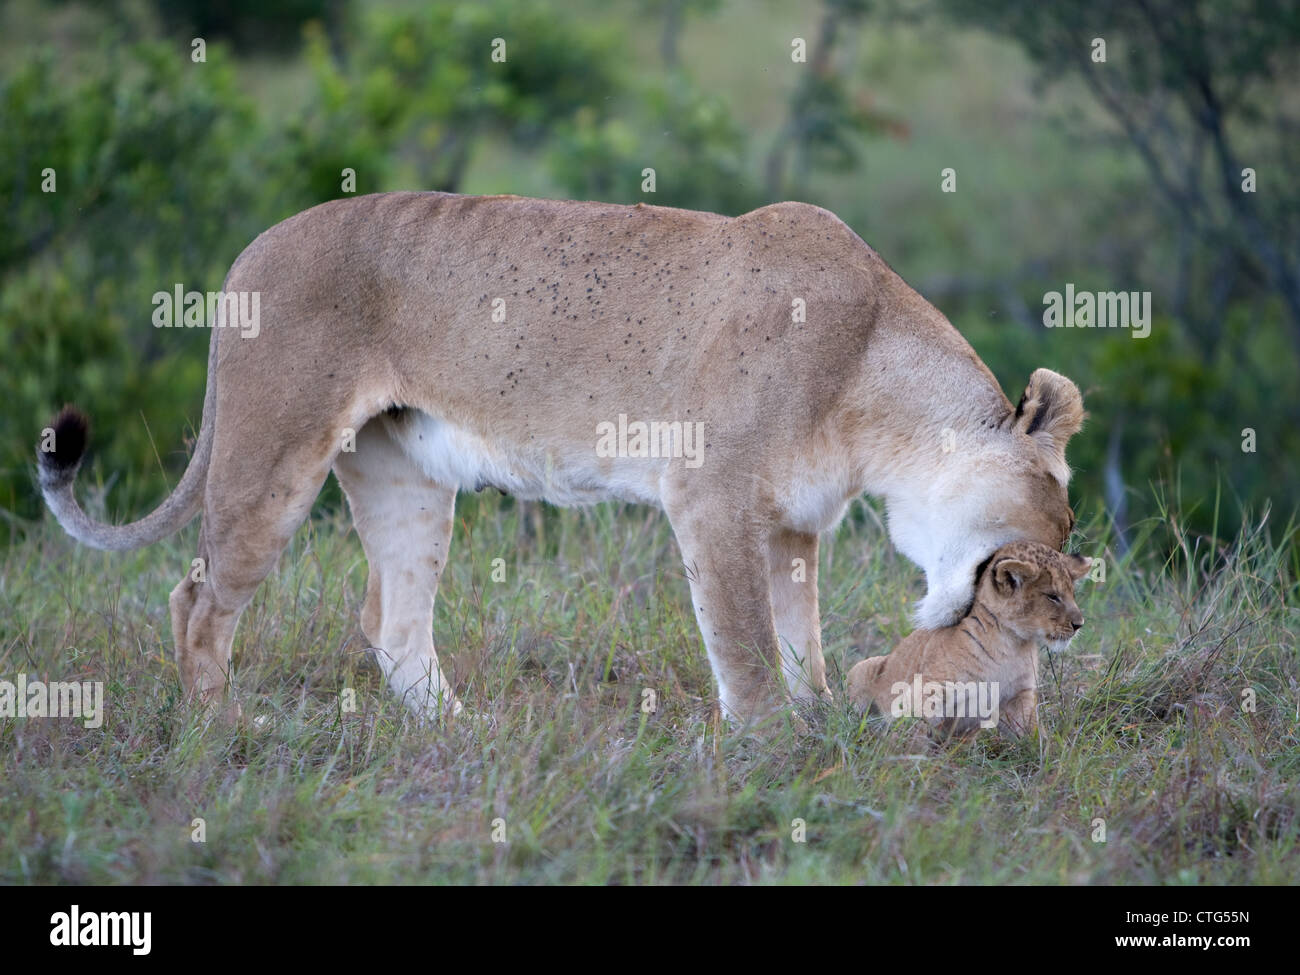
(57, 470)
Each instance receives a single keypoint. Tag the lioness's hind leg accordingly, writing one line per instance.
(250, 512)
(404, 520)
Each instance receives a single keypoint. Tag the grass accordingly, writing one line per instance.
(1142, 726)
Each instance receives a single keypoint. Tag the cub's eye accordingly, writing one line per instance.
(1054, 598)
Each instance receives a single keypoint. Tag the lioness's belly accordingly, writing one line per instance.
(568, 474)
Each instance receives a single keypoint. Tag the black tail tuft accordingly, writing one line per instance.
(60, 455)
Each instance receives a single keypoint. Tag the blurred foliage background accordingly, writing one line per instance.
(1115, 175)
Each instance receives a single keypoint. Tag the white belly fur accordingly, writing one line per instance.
(573, 474)
(456, 457)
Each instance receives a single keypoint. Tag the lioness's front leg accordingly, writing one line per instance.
(726, 562)
(792, 566)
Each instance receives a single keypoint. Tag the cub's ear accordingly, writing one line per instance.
(863, 678)
(1078, 566)
(1051, 411)
(1010, 574)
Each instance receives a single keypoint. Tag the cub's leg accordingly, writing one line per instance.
(725, 556)
(1019, 716)
(259, 490)
(404, 520)
(792, 558)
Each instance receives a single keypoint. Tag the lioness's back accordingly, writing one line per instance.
(574, 312)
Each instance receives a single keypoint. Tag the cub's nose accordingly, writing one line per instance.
(1077, 624)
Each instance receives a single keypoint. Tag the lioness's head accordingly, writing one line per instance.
(1030, 589)
(1002, 480)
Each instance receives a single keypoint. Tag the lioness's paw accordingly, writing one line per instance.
(443, 709)
(773, 722)
(478, 720)
(218, 706)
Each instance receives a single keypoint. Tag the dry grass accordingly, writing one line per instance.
(1142, 726)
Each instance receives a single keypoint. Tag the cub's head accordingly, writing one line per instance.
(1030, 589)
(1003, 480)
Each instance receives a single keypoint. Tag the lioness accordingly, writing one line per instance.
(423, 343)
(1023, 599)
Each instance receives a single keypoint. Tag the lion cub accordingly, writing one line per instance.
(983, 670)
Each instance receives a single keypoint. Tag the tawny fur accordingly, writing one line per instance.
(1024, 599)
(377, 318)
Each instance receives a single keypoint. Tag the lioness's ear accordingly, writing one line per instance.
(1051, 411)
(1010, 574)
